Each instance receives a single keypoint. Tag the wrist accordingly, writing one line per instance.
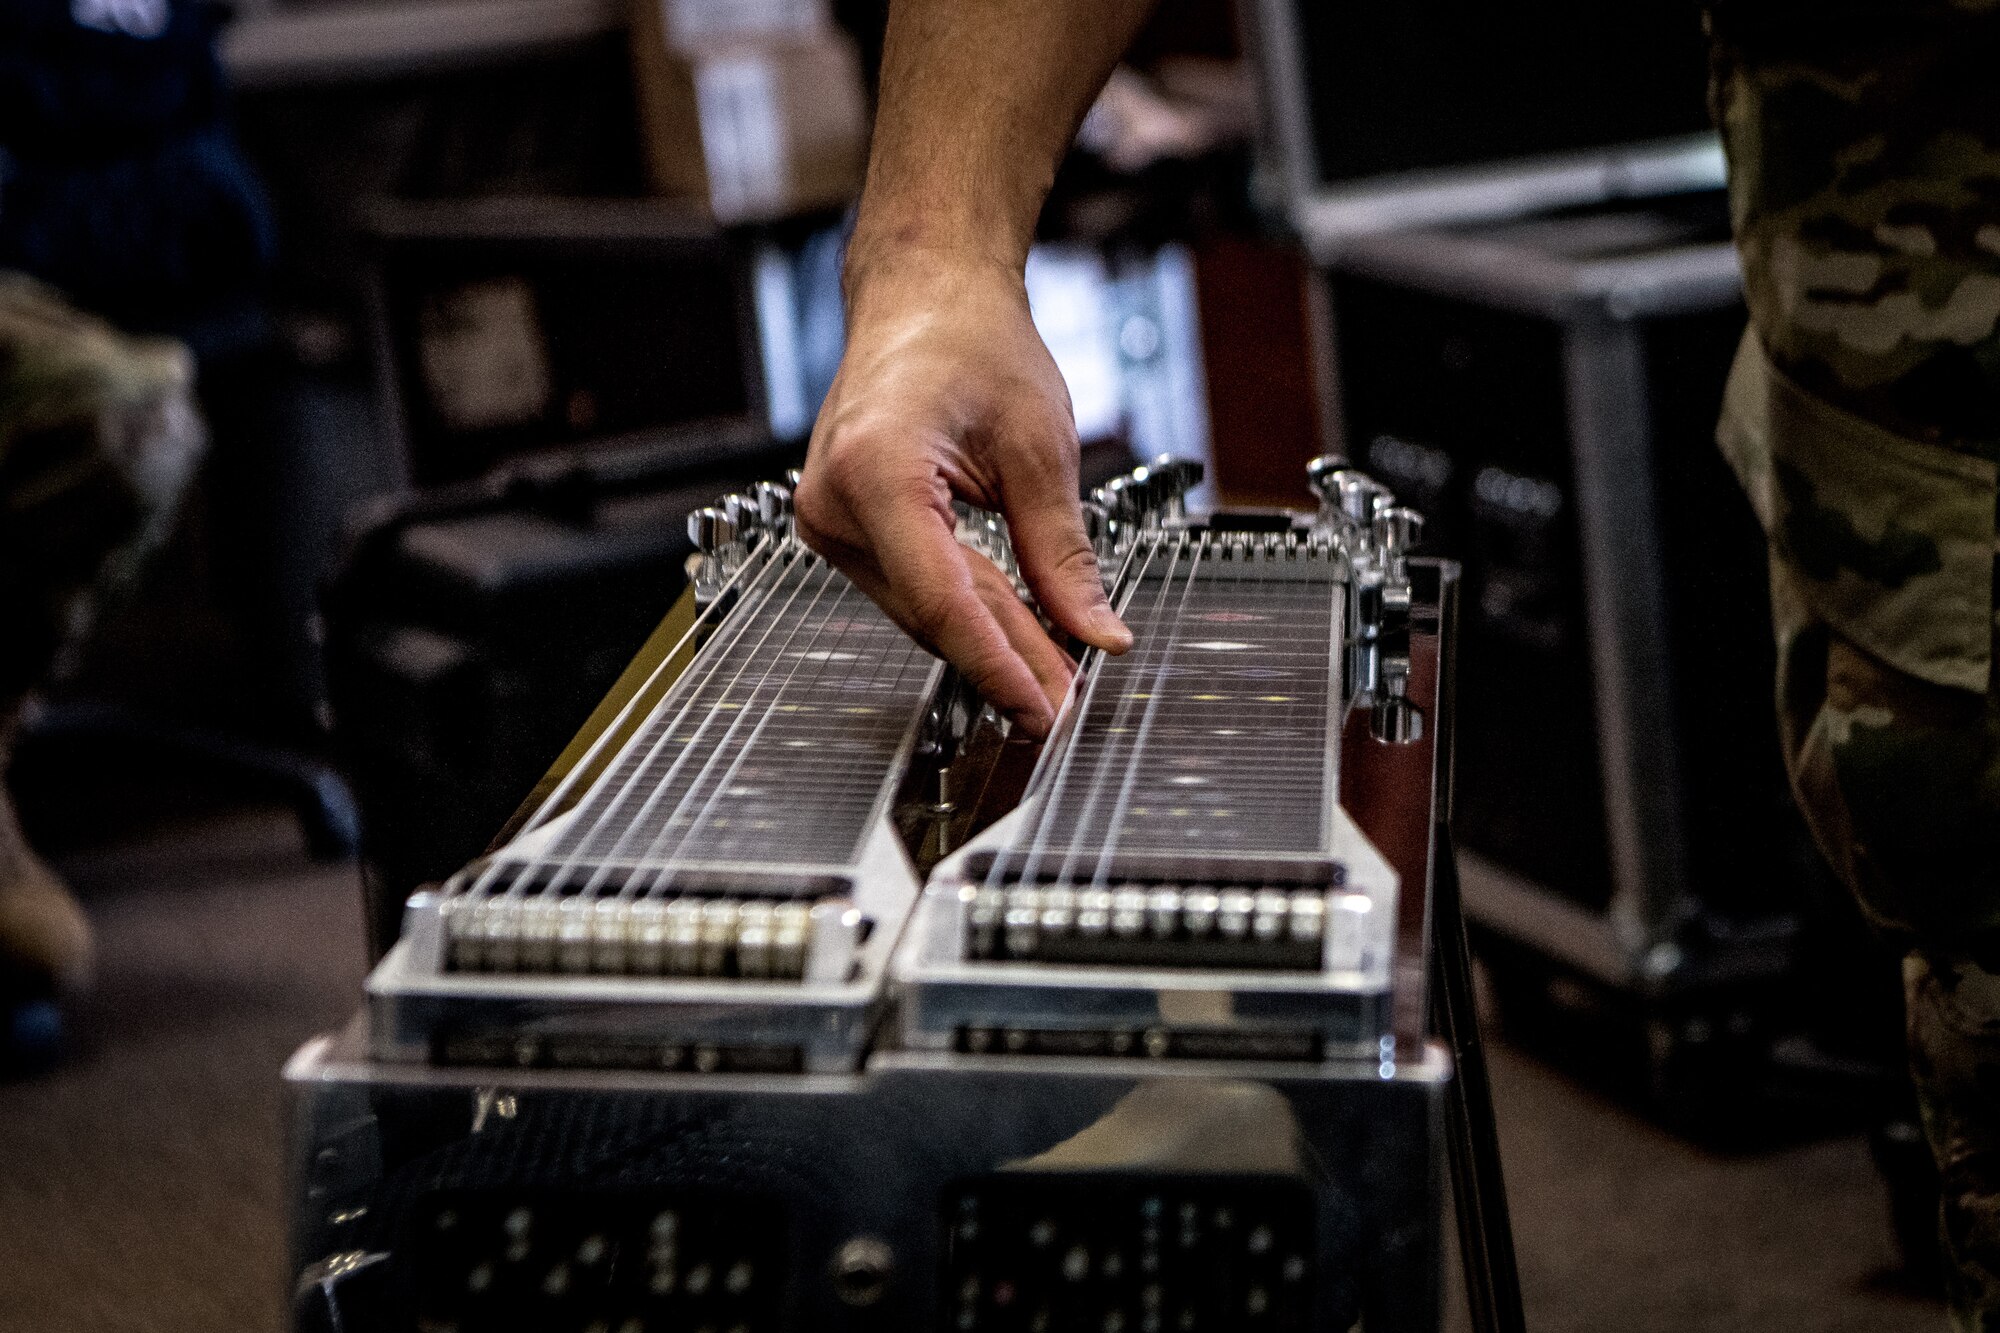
(888, 273)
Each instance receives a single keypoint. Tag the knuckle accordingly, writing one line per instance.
(1078, 564)
(932, 610)
(814, 517)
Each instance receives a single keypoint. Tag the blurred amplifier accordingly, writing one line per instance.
(1545, 385)
(805, 994)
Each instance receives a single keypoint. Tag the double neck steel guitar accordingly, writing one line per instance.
(806, 996)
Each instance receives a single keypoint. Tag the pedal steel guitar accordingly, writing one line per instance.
(807, 996)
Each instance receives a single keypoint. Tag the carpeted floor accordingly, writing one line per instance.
(141, 1185)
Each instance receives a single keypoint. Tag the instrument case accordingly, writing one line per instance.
(1545, 386)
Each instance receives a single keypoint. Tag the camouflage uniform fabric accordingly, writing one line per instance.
(98, 436)
(1863, 417)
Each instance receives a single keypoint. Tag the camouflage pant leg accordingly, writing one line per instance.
(1955, 1051)
(98, 436)
(1900, 781)
(1864, 420)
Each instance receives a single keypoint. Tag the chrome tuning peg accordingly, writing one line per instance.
(1103, 532)
(793, 477)
(1096, 522)
(1361, 496)
(1323, 475)
(1398, 529)
(714, 532)
(1170, 479)
(1394, 720)
(711, 529)
(741, 511)
(774, 504)
(1122, 498)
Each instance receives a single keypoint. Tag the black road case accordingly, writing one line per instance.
(1546, 388)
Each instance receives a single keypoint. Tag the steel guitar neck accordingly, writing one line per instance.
(1180, 876)
(1202, 753)
(718, 883)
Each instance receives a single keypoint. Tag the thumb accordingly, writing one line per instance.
(1045, 520)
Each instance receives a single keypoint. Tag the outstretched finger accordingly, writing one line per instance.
(1055, 554)
(921, 576)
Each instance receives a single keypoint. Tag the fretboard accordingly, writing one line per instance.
(775, 749)
(1209, 744)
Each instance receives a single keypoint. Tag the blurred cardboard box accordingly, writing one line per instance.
(757, 122)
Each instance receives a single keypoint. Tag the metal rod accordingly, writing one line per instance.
(1478, 1186)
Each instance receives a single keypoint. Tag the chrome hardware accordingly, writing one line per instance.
(1149, 496)
(1168, 480)
(1361, 498)
(774, 506)
(1361, 516)
(1398, 528)
(715, 533)
(710, 530)
(1320, 474)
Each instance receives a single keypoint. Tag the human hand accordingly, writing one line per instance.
(946, 391)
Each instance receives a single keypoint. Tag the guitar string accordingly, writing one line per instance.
(660, 785)
(675, 860)
(1133, 741)
(1162, 682)
(749, 616)
(1049, 811)
(753, 560)
(719, 654)
(1033, 825)
(1035, 831)
(733, 626)
(818, 662)
(1074, 822)
(1221, 585)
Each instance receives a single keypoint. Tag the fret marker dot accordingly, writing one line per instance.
(1221, 646)
(1189, 780)
(826, 655)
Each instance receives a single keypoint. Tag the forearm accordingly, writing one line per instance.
(980, 100)
(945, 391)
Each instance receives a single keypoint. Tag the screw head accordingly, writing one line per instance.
(861, 1270)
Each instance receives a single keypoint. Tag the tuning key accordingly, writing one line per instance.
(1398, 529)
(742, 511)
(774, 504)
(711, 529)
(1361, 497)
(1323, 474)
(1171, 479)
